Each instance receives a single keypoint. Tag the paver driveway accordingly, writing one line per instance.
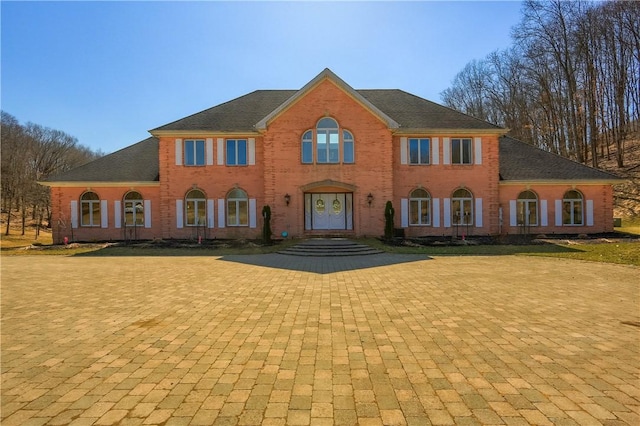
(201, 340)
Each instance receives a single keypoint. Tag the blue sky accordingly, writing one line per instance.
(107, 72)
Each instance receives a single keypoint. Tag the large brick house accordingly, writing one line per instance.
(326, 159)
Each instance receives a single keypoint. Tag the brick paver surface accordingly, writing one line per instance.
(202, 340)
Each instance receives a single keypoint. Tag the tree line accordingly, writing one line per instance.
(569, 83)
(31, 153)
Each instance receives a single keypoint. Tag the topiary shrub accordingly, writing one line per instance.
(266, 225)
(389, 212)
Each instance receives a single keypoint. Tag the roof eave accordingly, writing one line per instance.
(326, 74)
(453, 131)
(97, 184)
(562, 181)
(197, 133)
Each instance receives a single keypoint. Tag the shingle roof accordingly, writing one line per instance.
(135, 163)
(523, 162)
(410, 111)
(413, 112)
(237, 115)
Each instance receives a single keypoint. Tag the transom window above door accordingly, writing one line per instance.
(327, 144)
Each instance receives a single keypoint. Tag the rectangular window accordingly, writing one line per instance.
(419, 212)
(238, 213)
(307, 147)
(90, 213)
(236, 152)
(321, 147)
(460, 151)
(419, 151)
(194, 152)
(196, 212)
(572, 212)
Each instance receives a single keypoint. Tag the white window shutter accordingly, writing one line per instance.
(179, 214)
(513, 213)
(404, 212)
(252, 213)
(147, 213)
(558, 212)
(221, 219)
(589, 212)
(117, 213)
(403, 151)
(252, 151)
(74, 214)
(435, 151)
(478, 150)
(544, 221)
(447, 212)
(210, 215)
(178, 152)
(209, 151)
(436, 212)
(446, 151)
(104, 214)
(478, 212)
(220, 160)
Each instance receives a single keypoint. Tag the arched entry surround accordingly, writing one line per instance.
(328, 206)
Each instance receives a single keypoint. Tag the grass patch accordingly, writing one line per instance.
(621, 252)
(14, 239)
(630, 225)
(627, 252)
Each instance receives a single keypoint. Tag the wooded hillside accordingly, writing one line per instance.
(31, 153)
(569, 84)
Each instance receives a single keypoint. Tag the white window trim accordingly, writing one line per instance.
(428, 163)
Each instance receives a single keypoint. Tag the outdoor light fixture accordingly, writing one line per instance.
(287, 198)
(370, 198)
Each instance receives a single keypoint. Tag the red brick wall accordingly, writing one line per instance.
(61, 214)
(602, 196)
(372, 171)
(441, 180)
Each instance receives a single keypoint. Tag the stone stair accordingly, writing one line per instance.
(329, 247)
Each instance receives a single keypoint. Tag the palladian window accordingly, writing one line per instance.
(462, 207)
(90, 209)
(527, 209)
(196, 208)
(420, 208)
(328, 144)
(133, 209)
(237, 208)
(572, 208)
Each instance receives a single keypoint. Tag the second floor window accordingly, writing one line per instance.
(332, 144)
(236, 152)
(419, 151)
(194, 152)
(461, 151)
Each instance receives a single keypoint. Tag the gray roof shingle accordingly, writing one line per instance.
(523, 162)
(410, 111)
(135, 163)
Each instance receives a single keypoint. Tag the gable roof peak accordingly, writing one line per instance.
(326, 74)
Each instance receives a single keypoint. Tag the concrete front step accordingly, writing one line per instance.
(326, 247)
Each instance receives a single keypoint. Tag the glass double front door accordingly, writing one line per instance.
(328, 211)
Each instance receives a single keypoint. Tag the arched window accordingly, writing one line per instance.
(196, 208)
(90, 209)
(307, 147)
(527, 208)
(347, 144)
(462, 207)
(237, 208)
(572, 208)
(133, 209)
(332, 145)
(419, 208)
